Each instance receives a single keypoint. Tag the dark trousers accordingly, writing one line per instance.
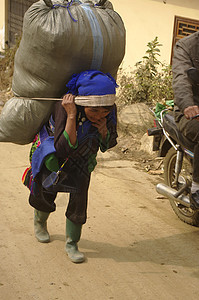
(77, 207)
(190, 129)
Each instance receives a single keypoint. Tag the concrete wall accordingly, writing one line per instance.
(146, 19)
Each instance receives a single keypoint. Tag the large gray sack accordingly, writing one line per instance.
(21, 119)
(54, 45)
(52, 48)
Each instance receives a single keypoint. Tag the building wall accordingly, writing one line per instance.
(2, 22)
(146, 19)
(2, 13)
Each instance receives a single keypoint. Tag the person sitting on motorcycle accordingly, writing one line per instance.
(186, 55)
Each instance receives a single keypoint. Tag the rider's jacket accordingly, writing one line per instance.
(186, 55)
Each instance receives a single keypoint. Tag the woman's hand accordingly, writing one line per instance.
(68, 104)
(102, 127)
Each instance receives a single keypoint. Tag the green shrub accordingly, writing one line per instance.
(150, 82)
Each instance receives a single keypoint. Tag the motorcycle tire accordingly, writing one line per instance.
(185, 214)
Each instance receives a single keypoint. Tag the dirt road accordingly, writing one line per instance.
(136, 247)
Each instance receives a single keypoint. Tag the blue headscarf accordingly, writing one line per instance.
(92, 83)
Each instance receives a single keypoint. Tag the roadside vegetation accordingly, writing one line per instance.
(149, 82)
(7, 67)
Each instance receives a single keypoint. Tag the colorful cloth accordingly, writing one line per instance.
(159, 107)
(44, 144)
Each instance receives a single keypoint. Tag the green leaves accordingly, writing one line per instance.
(149, 82)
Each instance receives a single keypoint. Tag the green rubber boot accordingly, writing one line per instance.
(40, 226)
(73, 233)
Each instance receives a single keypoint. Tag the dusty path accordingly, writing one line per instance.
(136, 247)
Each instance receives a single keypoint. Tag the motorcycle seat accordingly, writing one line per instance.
(170, 126)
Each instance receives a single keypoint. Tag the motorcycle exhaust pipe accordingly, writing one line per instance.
(170, 193)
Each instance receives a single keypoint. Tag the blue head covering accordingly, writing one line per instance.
(93, 88)
(91, 83)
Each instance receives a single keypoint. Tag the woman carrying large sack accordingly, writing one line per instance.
(63, 154)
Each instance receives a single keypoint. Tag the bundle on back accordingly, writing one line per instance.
(61, 38)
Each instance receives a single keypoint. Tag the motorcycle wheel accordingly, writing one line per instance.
(185, 214)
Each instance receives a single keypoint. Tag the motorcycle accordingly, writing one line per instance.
(177, 153)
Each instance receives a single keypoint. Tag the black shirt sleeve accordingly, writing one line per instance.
(63, 149)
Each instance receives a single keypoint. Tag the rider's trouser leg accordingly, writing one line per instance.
(190, 129)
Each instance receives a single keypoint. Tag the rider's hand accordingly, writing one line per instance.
(191, 111)
(68, 104)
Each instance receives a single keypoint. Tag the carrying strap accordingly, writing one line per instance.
(92, 100)
(50, 4)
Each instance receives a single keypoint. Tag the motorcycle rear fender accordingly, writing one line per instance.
(156, 142)
(165, 145)
(157, 134)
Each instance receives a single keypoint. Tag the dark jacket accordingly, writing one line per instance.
(51, 143)
(86, 134)
(186, 55)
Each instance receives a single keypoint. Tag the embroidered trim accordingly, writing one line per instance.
(95, 100)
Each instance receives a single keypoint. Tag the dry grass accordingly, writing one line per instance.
(7, 67)
(6, 73)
